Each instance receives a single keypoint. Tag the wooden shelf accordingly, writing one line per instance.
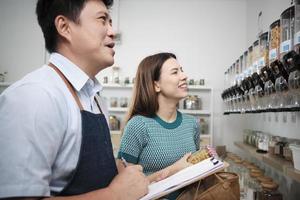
(190, 87)
(192, 112)
(195, 112)
(117, 109)
(280, 164)
(118, 86)
(198, 87)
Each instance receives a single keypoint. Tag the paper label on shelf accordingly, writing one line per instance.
(285, 46)
(273, 54)
(297, 38)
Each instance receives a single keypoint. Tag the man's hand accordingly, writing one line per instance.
(130, 184)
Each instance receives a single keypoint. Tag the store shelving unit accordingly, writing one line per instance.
(280, 164)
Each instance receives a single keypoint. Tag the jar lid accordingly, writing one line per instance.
(287, 13)
(238, 161)
(256, 170)
(269, 185)
(256, 174)
(264, 179)
(252, 166)
(276, 23)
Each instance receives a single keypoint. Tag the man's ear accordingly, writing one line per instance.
(156, 86)
(62, 25)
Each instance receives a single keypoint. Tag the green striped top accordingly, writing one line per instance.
(156, 144)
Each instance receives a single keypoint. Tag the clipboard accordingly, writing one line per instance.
(184, 177)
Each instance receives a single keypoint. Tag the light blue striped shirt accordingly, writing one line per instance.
(40, 129)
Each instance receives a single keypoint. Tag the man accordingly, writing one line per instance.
(55, 141)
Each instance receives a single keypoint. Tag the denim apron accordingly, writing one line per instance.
(96, 166)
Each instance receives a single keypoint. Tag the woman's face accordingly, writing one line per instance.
(172, 82)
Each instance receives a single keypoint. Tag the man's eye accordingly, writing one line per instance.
(103, 18)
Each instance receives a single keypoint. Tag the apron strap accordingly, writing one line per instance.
(97, 102)
(69, 85)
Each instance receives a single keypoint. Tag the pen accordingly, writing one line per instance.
(124, 162)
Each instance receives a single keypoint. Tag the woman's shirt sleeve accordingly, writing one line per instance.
(133, 141)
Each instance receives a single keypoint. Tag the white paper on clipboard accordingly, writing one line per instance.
(183, 178)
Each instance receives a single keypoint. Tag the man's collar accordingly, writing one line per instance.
(75, 75)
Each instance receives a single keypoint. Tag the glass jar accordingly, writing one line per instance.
(241, 61)
(245, 64)
(232, 75)
(250, 61)
(113, 102)
(272, 143)
(281, 85)
(255, 56)
(237, 72)
(269, 191)
(115, 78)
(126, 80)
(274, 41)
(269, 88)
(297, 27)
(287, 152)
(105, 80)
(203, 126)
(246, 134)
(123, 102)
(192, 102)
(263, 143)
(287, 30)
(281, 142)
(114, 123)
(263, 51)
(291, 61)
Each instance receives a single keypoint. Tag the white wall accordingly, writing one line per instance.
(271, 10)
(21, 40)
(206, 36)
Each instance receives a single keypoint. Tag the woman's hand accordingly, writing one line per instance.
(172, 169)
(182, 163)
(211, 151)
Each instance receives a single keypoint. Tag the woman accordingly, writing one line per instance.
(158, 136)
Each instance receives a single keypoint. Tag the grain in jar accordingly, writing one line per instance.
(297, 27)
(274, 41)
(287, 30)
(263, 50)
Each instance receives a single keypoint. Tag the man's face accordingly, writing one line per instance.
(92, 38)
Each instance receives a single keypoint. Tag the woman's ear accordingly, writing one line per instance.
(156, 86)
(62, 25)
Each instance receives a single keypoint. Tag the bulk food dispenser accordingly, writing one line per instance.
(297, 27)
(281, 73)
(267, 72)
(292, 63)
